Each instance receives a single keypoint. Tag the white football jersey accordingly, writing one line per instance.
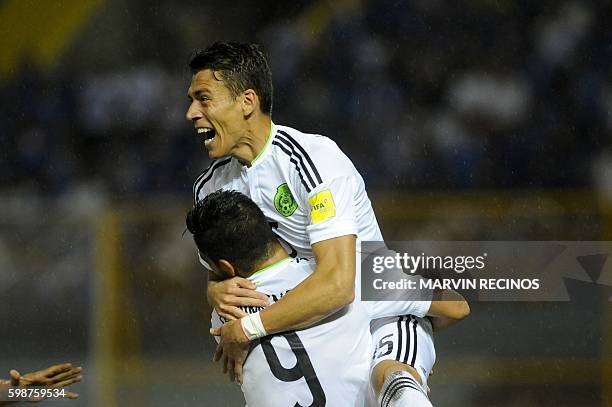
(305, 185)
(327, 364)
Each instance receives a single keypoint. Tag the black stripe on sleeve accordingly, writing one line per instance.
(398, 388)
(399, 338)
(299, 147)
(297, 167)
(409, 340)
(389, 388)
(396, 384)
(414, 351)
(209, 176)
(296, 154)
(202, 175)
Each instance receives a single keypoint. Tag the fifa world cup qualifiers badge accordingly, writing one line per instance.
(283, 201)
(322, 206)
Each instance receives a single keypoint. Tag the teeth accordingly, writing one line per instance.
(207, 133)
(204, 130)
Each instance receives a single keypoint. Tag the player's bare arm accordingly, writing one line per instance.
(330, 287)
(447, 308)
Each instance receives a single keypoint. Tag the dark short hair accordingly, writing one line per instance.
(242, 66)
(228, 225)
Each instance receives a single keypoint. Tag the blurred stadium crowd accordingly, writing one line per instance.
(418, 93)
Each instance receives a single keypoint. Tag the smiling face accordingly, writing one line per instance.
(217, 116)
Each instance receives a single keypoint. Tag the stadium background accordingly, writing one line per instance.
(469, 120)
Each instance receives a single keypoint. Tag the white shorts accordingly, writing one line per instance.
(407, 339)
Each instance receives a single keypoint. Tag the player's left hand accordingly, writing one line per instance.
(233, 355)
(230, 332)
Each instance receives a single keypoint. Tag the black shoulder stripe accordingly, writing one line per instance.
(299, 147)
(203, 174)
(295, 154)
(295, 163)
(209, 176)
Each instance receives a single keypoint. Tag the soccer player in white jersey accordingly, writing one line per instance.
(325, 364)
(312, 195)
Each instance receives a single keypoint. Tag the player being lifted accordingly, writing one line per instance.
(312, 196)
(325, 364)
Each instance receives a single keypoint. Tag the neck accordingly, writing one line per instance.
(254, 141)
(278, 255)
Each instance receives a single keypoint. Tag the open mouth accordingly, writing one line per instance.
(206, 132)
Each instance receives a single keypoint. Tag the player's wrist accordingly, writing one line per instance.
(252, 326)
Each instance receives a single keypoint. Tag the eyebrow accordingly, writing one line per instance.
(197, 93)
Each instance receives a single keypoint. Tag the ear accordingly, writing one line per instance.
(250, 102)
(227, 268)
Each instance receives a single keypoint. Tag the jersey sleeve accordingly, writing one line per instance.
(382, 309)
(398, 302)
(331, 210)
(329, 182)
(199, 186)
(206, 184)
(211, 179)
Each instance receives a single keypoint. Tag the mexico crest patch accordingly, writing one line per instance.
(283, 201)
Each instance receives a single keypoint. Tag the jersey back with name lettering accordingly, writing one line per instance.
(324, 365)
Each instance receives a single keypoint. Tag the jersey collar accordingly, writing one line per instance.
(266, 147)
(272, 267)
